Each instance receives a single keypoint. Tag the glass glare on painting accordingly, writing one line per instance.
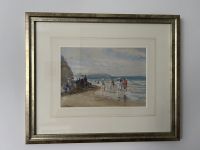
(103, 77)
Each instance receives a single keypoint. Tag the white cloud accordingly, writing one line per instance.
(114, 61)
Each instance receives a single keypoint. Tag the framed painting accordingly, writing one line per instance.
(102, 77)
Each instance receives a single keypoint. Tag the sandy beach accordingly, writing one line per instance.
(90, 99)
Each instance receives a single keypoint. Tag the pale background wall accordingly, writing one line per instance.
(12, 64)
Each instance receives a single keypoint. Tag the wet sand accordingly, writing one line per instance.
(90, 99)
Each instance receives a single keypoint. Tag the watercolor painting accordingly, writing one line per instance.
(103, 77)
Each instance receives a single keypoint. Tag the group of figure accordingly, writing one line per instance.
(73, 84)
(82, 82)
(123, 84)
(69, 85)
(119, 87)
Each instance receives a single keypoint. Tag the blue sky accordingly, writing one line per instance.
(113, 61)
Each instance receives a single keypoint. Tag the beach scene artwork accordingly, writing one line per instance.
(103, 77)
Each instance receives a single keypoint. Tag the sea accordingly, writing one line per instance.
(136, 90)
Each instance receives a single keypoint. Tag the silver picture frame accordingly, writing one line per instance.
(33, 18)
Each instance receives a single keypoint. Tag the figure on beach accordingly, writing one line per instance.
(103, 86)
(112, 85)
(85, 81)
(122, 85)
(73, 86)
(125, 84)
(118, 83)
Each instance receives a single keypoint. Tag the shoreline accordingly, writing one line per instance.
(88, 98)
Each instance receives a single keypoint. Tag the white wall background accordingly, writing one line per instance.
(12, 64)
